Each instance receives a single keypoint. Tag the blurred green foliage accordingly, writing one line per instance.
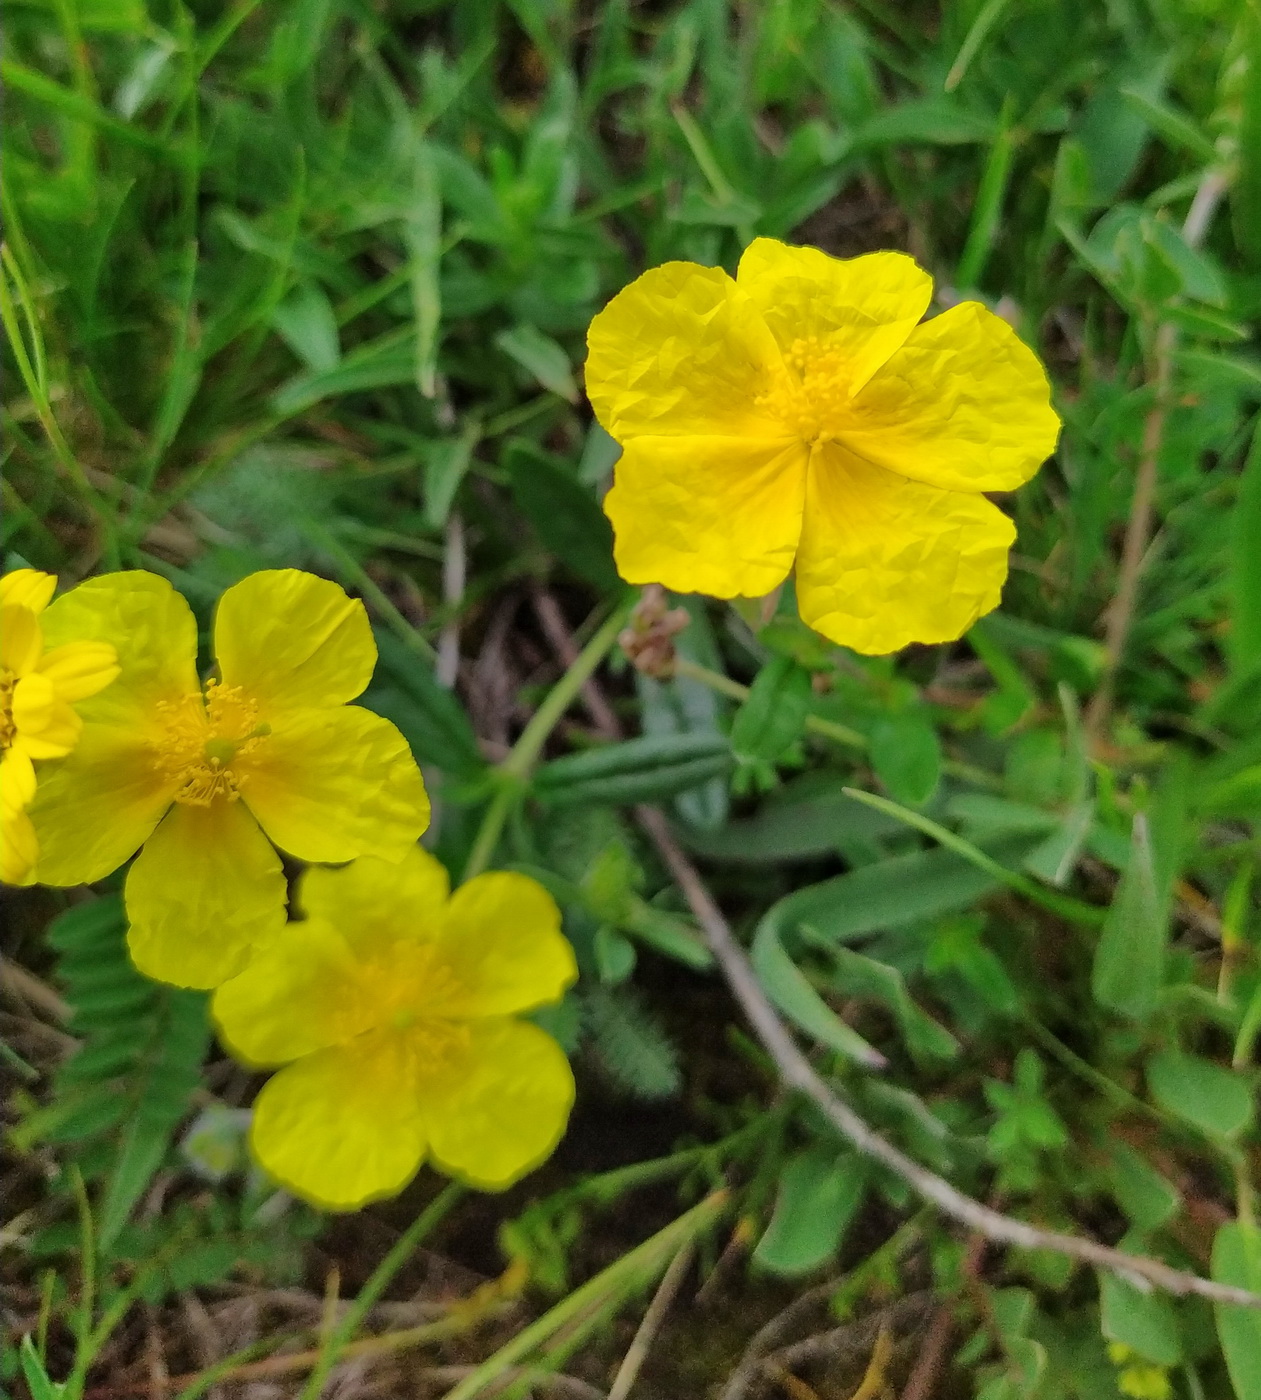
(306, 284)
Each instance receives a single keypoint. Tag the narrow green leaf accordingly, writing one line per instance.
(1245, 621)
(1130, 956)
(540, 356)
(906, 754)
(1237, 1261)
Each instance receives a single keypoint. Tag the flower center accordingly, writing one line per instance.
(202, 737)
(810, 398)
(8, 727)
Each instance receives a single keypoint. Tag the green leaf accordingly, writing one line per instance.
(1130, 957)
(819, 1195)
(42, 1387)
(1245, 565)
(860, 976)
(790, 990)
(808, 816)
(638, 770)
(1144, 1322)
(929, 121)
(1237, 1261)
(431, 719)
(632, 1046)
(1140, 1190)
(306, 323)
(1216, 1100)
(906, 754)
(565, 515)
(540, 356)
(773, 717)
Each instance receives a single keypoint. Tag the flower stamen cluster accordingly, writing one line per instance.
(202, 735)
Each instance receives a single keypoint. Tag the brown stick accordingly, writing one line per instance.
(798, 1073)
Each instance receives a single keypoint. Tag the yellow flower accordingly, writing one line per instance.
(397, 1004)
(38, 688)
(197, 774)
(800, 413)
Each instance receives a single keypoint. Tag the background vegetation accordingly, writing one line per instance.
(305, 283)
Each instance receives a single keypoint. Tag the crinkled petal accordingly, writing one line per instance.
(27, 588)
(964, 405)
(858, 309)
(886, 561)
(299, 992)
(21, 639)
(153, 633)
(204, 889)
(502, 943)
(46, 726)
(329, 785)
(79, 669)
(717, 515)
(377, 905)
(93, 809)
(342, 1126)
(681, 350)
(498, 1106)
(19, 847)
(293, 640)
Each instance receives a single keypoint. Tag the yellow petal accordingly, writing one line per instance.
(46, 726)
(290, 639)
(93, 809)
(19, 848)
(341, 1127)
(377, 905)
(80, 669)
(297, 993)
(681, 350)
(502, 942)
(964, 404)
(886, 561)
(329, 785)
(715, 515)
(27, 588)
(203, 890)
(858, 310)
(21, 638)
(498, 1107)
(17, 779)
(154, 635)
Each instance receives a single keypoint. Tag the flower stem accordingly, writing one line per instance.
(518, 765)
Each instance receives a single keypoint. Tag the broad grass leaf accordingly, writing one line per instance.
(540, 356)
(1237, 1261)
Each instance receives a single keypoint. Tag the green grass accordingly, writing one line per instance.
(306, 284)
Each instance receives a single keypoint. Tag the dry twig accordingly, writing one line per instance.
(798, 1073)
